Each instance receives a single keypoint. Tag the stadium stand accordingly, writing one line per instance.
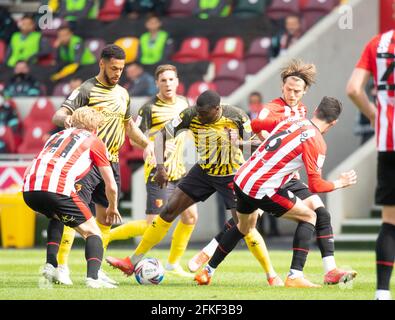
(111, 10)
(258, 55)
(279, 9)
(193, 50)
(130, 45)
(314, 10)
(230, 76)
(181, 8)
(249, 8)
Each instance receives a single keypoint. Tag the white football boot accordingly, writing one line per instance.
(63, 275)
(102, 276)
(98, 284)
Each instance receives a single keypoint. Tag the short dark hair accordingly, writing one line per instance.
(113, 51)
(208, 99)
(329, 109)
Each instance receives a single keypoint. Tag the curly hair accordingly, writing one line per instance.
(87, 118)
(299, 69)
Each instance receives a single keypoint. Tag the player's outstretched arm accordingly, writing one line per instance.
(62, 118)
(138, 138)
(161, 176)
(346, 179)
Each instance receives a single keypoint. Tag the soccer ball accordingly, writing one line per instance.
(149, 271)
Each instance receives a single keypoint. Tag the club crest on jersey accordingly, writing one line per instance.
(66, 218)
(158, 203)
(78, 187)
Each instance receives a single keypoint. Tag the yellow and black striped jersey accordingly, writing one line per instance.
(217, 155)
(113, 102)
(152, 117)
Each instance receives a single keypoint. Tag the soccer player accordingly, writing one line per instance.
(261, 184)
(49, 189)
(105, 95)
(297, 77)
(152, 117)
(217, 130)
(378, 60)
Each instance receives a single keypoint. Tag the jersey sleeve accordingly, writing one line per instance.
(368, 55)
(313, 157)
(182, 121)
(144, 118)
(98, 153)
(128, 113)
(77, 99)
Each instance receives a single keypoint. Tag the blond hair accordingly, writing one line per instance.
(298, 69)
(164, 67)
(87, 118)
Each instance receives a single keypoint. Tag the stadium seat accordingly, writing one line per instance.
(61, 90)
(181, 8)
(230, 76)
(7, 136)
(193, 50)
(225, 49)
(279, 9)
(2, 51)
(111, 10)
(181, 89)
(130, 45)
(96, 46)
(42, 110)
(314, 10)
(128, 154)
(34, 137)
(249, 8)
(258, 55)
(198, 88)
(51, 30)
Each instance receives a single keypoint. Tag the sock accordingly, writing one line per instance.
(211, 247)
(128, 230)
(181, 235)
(385, 255)
(65, 245)
(54, 234)
(228, 224)
(324, 233)
(303, 235)
(151, 237)
(383, 295)
(105, 234)
(329, 263)
(257, 246)
(293, 274)
(93, 255)
(228, 242)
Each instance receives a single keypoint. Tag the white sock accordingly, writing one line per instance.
(210, 270)
(383, 295)
(293, 274)
(329, 263)
(210, 248)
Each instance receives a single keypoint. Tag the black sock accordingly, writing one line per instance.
(303, 235)
(226, 245)
(324, 233)
(93, 255)
(385, 255)
(228, 224)
(54, 236)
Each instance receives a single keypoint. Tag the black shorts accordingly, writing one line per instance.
(72, 211)
(298, 188)
(200, 186)
(92, 187)
(157, 197)
(385, 190)
(277, 204)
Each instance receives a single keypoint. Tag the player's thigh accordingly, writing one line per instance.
(313, 202)
(300, 212)
(388, 214)
(156, 197)
(190, 215)
(178, 202)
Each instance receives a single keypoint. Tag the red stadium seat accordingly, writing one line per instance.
(181, 8)
(128, 154)
(230, 77)
(7, 136)
(181, 89)
(193, 50)
(2, 51)
(111, 10)
(42, 110)
(96, 46)
(225, 49)
(258, 55)
(34, 137)
(314, 10)
(279, 9)
(198, 88)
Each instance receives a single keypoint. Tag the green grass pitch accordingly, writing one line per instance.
(239, 277)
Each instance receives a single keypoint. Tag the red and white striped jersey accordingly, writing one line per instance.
(66, 158)
(292, 144)
(276, 111)
(378, 57)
